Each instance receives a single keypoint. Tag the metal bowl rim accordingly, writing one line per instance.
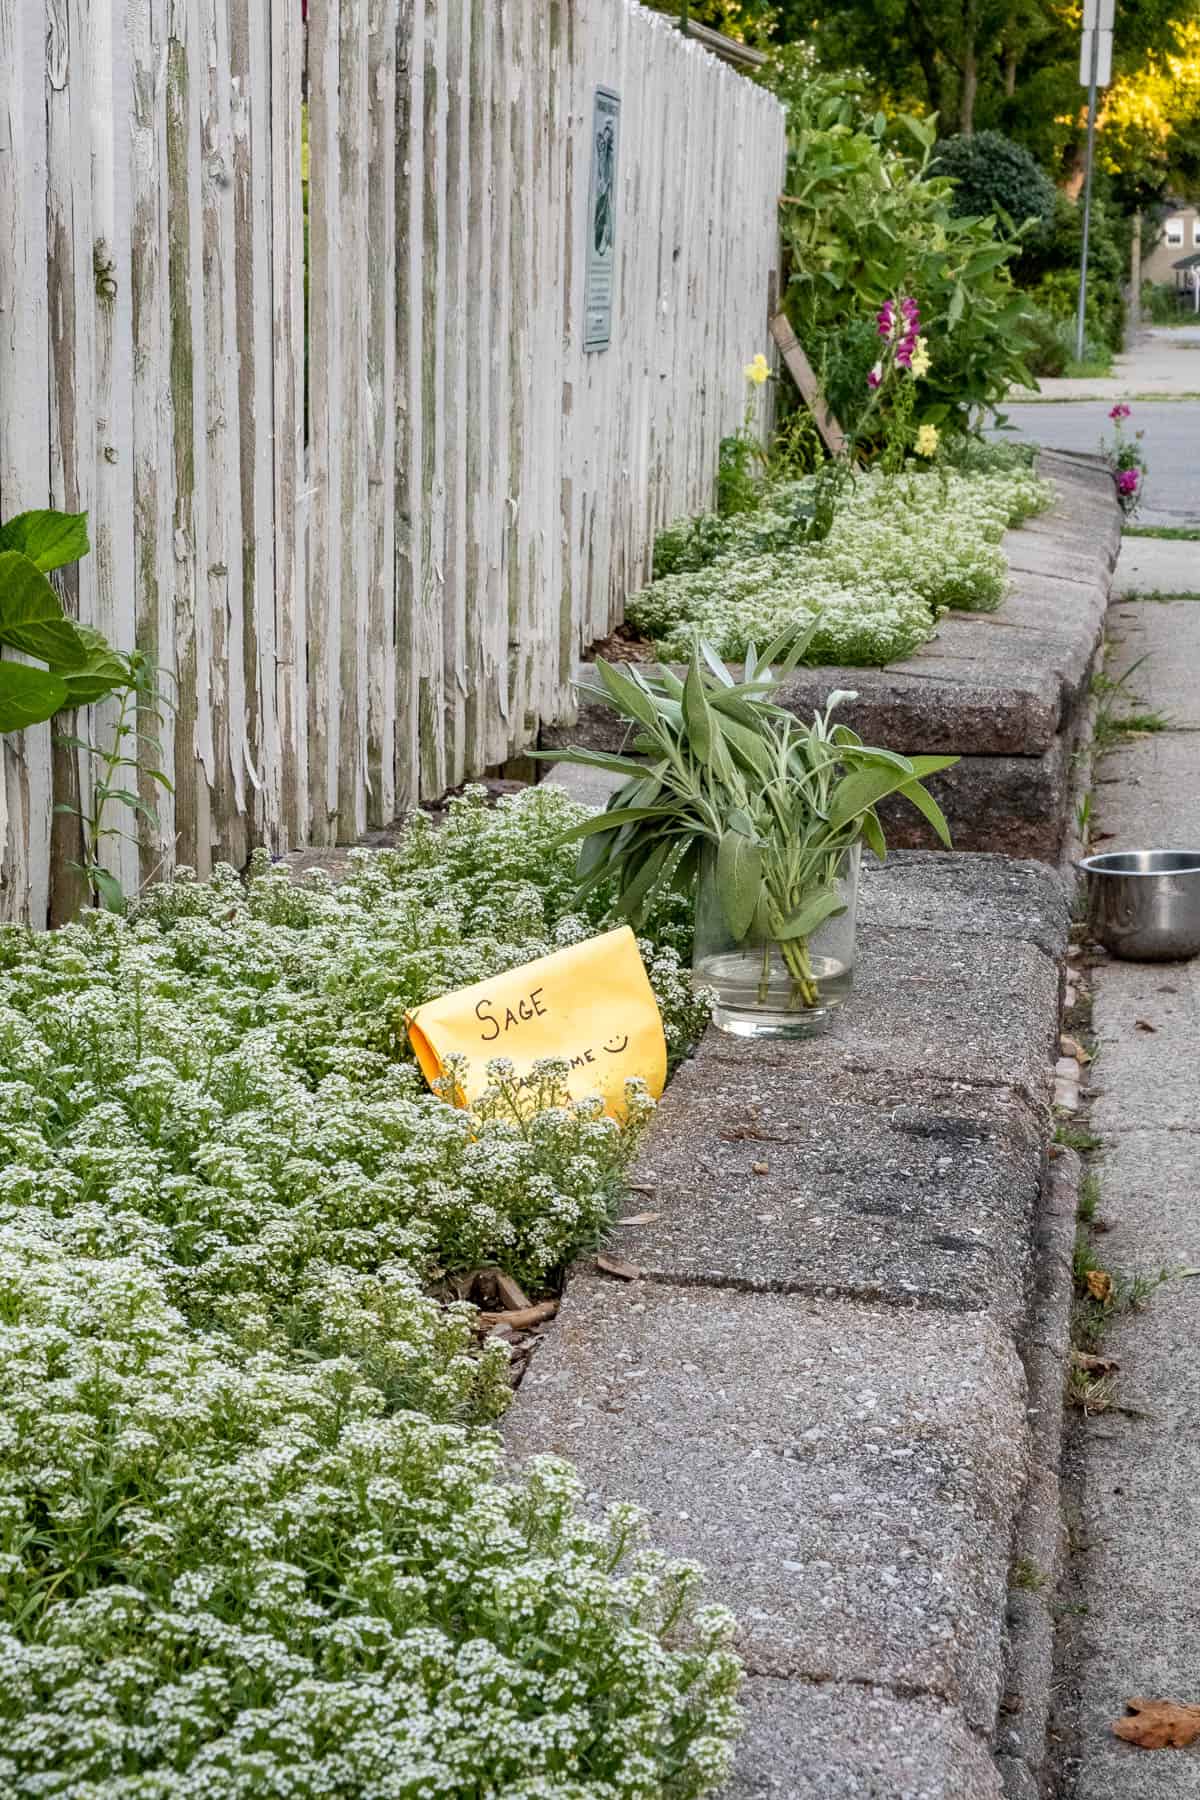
(1097, 865)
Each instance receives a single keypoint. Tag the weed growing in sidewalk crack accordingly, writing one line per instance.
(1076, 1137)
(1027, 1575)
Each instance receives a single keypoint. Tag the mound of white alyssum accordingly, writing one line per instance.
(901, 549)
(252, 1539)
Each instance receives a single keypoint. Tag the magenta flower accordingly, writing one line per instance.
(904, 355)
(874, 378)
(886, 319)
(1120, 411)
(912, 314)
(1127, 481)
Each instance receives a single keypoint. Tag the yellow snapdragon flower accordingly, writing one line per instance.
(927, 439)
(920, 357)
(759, 370)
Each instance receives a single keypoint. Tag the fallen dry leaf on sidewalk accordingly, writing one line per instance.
(1144, 1025)
(1070, 1046)
(1159, 1724)
(1095, 1365)
(1099, 1284)
(640, 1219)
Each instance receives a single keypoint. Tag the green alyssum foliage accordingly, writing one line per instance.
(776, 803)
(865, 220)
(899, 551)
(252, 1535)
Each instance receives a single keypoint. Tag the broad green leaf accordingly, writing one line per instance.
(739, 881)
(715, 664)
(31, 615)
(928, 807)
(112, 894)
(697, 714)
(813, 910)
(103, 673)
(872, 831)
(630, 700)
(592, 759)
(49, 539)
(866, 787)
(612, 821)
(27, 696)
(639, 889)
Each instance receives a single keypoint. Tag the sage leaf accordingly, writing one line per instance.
(739, 881)
(821, 904)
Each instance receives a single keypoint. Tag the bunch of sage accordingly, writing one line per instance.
(717, 768)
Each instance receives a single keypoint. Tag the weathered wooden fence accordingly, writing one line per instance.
(366, 532)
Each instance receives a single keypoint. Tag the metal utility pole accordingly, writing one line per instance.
(1095, 71)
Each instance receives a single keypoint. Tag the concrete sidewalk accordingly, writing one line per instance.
(1164, 361)
(1139, 1479)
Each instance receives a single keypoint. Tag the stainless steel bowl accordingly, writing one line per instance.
(1144, 905)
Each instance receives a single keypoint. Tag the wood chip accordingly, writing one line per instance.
(1144, 1025)
(510, 1293)
(640, 1219)
(519, 1320)
(618, 1267)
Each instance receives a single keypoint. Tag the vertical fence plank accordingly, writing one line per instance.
(250, 119)
(150, 426)
(288, 475)
(219, 621)
(431, 707)
(410, 454)
(481, 572)
(326, 437)
(24, 417)
(349, 240)
(381, 378)
(453, 397)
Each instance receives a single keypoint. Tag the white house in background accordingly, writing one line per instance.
(1180, 238)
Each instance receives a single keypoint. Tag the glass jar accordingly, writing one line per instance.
(769, 989)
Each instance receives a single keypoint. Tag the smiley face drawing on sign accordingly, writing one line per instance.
(590, 1005)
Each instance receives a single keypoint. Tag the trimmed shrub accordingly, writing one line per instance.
(993, 175)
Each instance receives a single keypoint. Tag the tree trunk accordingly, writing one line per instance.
(1010, 74)
(1135, 278)
(970, 70)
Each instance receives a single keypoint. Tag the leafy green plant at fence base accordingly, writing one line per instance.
(80, 665)
(141, 702)
(734, 777)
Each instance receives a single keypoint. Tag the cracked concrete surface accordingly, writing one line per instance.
(1140, 1493)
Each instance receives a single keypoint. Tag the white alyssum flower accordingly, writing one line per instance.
(253, 1538)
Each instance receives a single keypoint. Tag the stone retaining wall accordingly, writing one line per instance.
(1006, 691)
(816, 1385)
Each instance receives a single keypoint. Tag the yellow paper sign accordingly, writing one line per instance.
(590, 1004)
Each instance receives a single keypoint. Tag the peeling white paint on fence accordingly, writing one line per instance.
(369, 577)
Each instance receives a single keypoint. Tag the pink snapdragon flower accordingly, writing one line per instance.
(875, 377)
(885, 318)
(1120, 411)
(1127, 481)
